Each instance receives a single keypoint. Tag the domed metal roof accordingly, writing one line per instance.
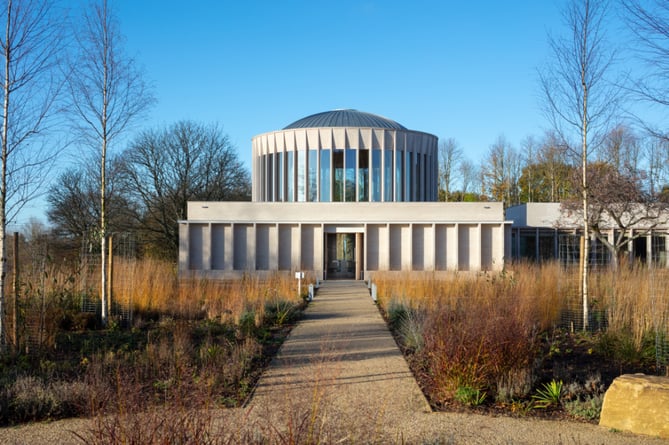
(345, 118)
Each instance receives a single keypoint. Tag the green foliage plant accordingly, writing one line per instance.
(279, 312)
(470, 396)
(548, 395)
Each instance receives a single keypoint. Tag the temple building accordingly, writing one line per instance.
(342, 194)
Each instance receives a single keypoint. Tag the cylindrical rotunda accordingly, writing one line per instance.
(345, 156)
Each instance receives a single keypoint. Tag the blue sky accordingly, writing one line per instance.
(465, 70)
(457, 69)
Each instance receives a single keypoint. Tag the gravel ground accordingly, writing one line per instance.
(341, 378)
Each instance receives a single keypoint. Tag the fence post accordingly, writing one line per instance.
(110, 274)
(15, 286)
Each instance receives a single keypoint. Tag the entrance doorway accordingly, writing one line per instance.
(341, 259)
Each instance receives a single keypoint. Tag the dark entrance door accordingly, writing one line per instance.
(341, 256)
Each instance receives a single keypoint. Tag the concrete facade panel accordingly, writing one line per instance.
(262, 259)
(218, 246)
(196, 239)
(285, 246)
(395, 247)
(373, 247)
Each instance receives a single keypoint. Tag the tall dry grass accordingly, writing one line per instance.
(537, 290)
(635, 299)
(483, 331)
(153, 286)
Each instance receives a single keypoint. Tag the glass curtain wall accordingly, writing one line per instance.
(312, 190)
(350, 161)
(270, 177)
(363, 175)
(399, 176)
(388, 176)
(346, 175)
(290, 176)
(376, 175)
(301, 175)
(419, 178)
(408, 177)
(279, 176)
(338, 165)
(326, 179)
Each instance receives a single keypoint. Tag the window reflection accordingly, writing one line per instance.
(408, 177)
(270, 177)
(338, 164)
(376, 175)
(350, 175)
(312, 192)
(301, 175)
(363, 175)
(399, 176)
(388, 176)
(279, 176)
(290, 176)
(418, 181)
(326, 179)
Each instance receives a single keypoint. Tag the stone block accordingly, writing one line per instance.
(637, 403)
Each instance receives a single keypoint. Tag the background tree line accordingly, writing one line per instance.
(544, 170)
(149, 185)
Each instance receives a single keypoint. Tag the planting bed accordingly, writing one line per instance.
(585, 363)
(185, 363)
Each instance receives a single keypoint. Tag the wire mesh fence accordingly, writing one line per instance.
(635, 290)
(49, 281)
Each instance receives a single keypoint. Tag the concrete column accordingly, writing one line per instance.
(206, 247)
(273, 247)
(456, 247)
(384, 248)
(433, 250)
(184, 251)
(479, 240)
(359, 266)
(319, 254)
(251, 253)
(296, 248)
(229, 246)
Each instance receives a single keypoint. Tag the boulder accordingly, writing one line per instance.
(638, 403)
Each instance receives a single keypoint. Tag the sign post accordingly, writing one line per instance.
(299, 276)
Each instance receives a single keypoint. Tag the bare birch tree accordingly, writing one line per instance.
(579, 99)
(29, 46)
(501, 172)
(107, 93)
(649, 22)
(450, 155)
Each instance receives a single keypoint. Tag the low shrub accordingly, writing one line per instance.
(410, 330)
(588, 408)
(279, 312)
(478, 344)
(30, 399)
(620, 347)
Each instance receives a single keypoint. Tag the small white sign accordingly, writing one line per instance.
(299, 275)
